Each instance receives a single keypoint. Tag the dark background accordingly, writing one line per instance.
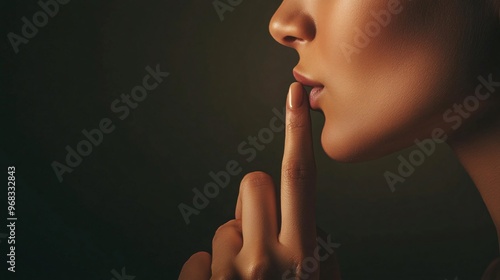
(119, 207)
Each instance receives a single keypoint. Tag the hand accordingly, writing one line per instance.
(260, 243)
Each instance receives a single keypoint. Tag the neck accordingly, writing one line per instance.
(479, 153)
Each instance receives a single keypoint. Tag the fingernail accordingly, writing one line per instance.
(295, 97)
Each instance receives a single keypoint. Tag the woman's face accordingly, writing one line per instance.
(385, 71)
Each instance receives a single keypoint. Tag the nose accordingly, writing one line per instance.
(291, 26)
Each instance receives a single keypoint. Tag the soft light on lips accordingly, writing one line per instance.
(317, 89)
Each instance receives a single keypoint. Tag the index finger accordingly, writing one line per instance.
(298, 174)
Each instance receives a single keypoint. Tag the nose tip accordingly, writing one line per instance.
(285, 34)
(290, 26)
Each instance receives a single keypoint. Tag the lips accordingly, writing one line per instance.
(317, 89)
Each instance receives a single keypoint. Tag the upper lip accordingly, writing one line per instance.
(301, 78)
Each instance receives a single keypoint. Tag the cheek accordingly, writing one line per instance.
(389, 93)
(371, 122)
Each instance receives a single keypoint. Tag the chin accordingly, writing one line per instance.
(342, 149)
(353, 148)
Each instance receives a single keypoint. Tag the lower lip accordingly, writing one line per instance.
(314, 96)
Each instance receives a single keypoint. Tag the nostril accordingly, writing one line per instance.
(290, 39)
(290, 25)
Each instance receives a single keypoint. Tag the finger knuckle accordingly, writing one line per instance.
(223, 231)
(256, 179)
(219, 235)
(296, 123)
(298, 171)
(258, 268)
(198, 257)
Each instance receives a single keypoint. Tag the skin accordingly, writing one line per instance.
(378, 97)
